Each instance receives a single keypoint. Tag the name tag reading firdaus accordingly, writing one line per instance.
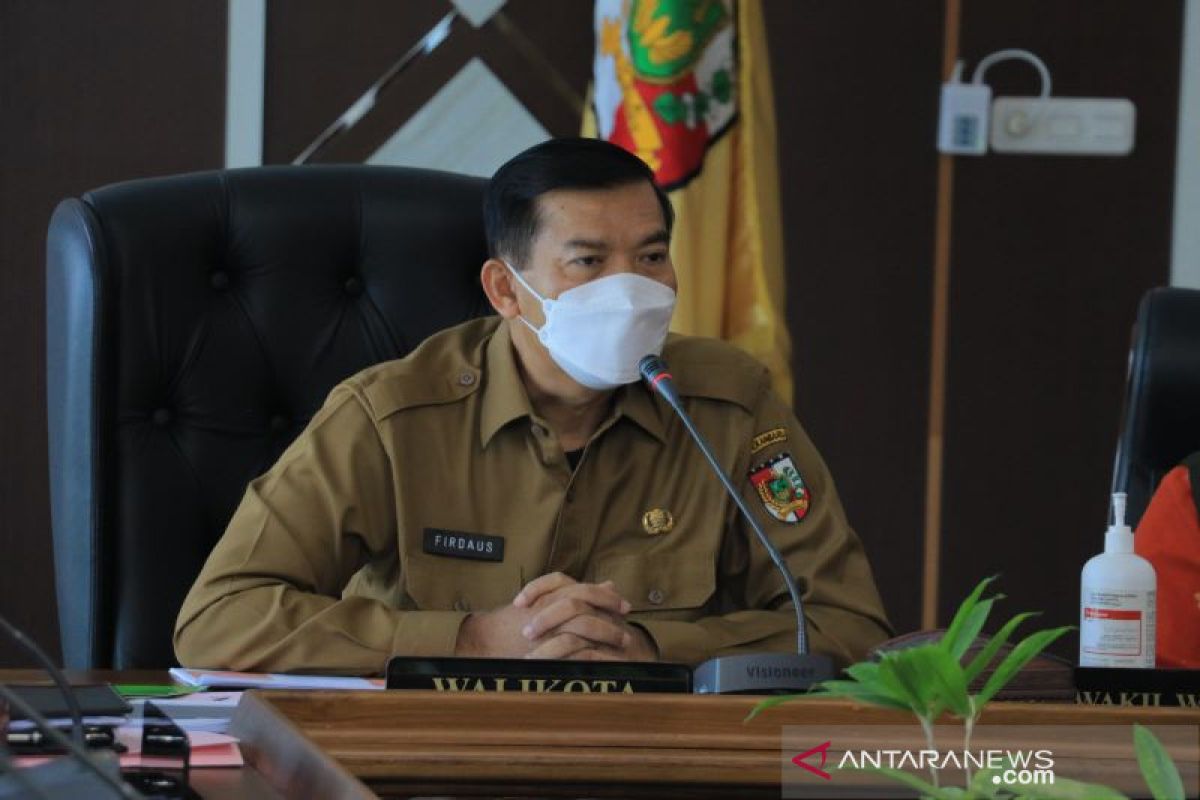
(459, 544)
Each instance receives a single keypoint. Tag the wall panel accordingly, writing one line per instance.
(856, 100)
(91, 93)
(1050, 256)
(320, 58)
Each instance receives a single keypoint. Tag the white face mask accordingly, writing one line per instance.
(598, 331)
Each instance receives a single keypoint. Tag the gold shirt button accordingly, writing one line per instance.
(656, 596)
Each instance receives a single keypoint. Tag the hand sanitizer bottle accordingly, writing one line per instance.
(1116, 609)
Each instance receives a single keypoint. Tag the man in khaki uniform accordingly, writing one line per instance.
(511, 489)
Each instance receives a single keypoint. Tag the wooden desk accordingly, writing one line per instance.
(421, 743)
(316, 744)
(209, 783)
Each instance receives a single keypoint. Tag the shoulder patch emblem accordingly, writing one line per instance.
(781, 488)
(768, 438)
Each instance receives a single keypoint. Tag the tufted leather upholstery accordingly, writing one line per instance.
(195, 323)
(1161, 422)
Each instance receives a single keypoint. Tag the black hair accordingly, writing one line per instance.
(510, 203)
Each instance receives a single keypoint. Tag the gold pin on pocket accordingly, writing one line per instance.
(657, 521)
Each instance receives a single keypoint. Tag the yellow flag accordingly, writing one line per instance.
(686, 85)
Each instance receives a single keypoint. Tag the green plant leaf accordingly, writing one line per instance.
(981, 784)
(984, 657)
(861, 693)
(1061, 789)
(1029, 647)
(867, 674)
(948, 684)
(867, 688)
(1158, 770)
(864, 671)
(973, 625)
(899, 671)
(984, 785)
(894, 686)
(927, 678)
(913, 782)
(954, 632)
(1065, 789)
(771, 702)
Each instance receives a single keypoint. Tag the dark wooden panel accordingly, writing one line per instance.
(359, 40)
(320, 56)
(1050, 256)
(92, 93)
(560, 33)
(856, 100)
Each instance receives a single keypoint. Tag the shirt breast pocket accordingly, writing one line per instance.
(662, 586)
(439, 583)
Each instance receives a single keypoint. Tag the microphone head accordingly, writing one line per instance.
(651, 367)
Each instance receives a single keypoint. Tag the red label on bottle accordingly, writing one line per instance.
(1110, 613)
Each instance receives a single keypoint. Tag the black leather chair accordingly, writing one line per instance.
(195, 323)
(1160, 425)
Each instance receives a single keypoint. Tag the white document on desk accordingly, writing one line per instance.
(271, 680)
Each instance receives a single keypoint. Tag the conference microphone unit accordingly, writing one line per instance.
(753, 673)
(80, 774)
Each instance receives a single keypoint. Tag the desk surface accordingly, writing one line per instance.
(596, 745)
(210, 784)
(405, 743)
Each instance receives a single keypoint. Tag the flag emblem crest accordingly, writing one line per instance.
(665, 80)
(781, 488)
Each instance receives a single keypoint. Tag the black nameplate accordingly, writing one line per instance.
(1110, 686)
(459, 544)
(450, 674)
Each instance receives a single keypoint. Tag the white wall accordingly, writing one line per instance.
(244, 76)
(1185, 246)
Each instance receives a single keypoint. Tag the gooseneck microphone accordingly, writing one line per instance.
(755, 673)
(654, 370)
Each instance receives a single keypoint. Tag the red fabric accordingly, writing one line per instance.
(1169, 538)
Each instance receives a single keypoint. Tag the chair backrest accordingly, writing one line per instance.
(1160, 425)
(195, 323)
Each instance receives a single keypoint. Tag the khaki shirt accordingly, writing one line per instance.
(330, 562)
